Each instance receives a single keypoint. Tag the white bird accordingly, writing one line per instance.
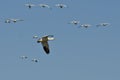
(35, 37)
(103, 24)
(61, 5)
(75, 22)
(16, 20)
(7, 21)
(29, 5)
(35, 60)
(85, 25)
(44, 41)
(23, 57)
(44, 6)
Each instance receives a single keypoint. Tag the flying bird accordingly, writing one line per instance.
(29, 5)
(35, 60)
(16, 20)
(23, 57)
(75, 22)
(35, 37)
(103, 24)
(85, 25)
(44, 41)
(7, 21)
(61, 5)
(44, 6)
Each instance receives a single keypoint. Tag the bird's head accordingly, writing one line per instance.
(39, 40)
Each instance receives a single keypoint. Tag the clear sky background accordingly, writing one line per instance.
(76, 53)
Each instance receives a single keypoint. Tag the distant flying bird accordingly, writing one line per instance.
(23, 57)
(35, 37)
(44, 41)
(85, 25)
(75, 22)
(103, 24)
(35, 60)
(7, 21)
(44, 6)
(61, 5)
(16, 20)
(29, 5)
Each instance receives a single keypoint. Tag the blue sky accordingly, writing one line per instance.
(76, 53)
